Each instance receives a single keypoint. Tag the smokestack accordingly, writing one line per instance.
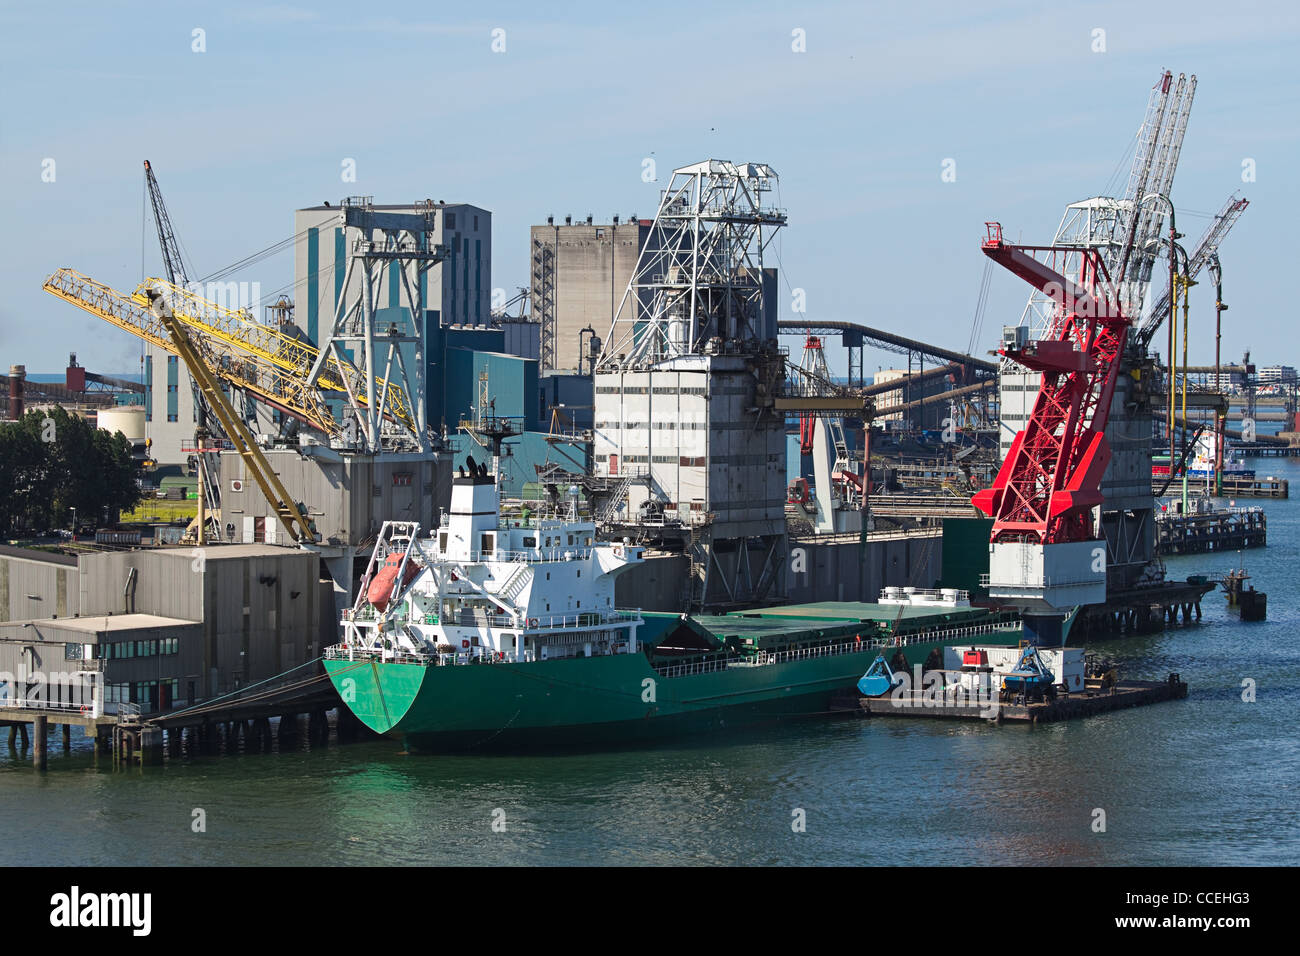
(17, 373)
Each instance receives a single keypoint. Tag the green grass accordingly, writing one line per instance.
(162, 509)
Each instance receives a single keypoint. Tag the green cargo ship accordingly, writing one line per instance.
(699, 674)
(492, 634)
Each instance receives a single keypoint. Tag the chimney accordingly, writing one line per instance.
(75, 378)
(17, 373)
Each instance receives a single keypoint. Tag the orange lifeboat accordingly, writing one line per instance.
(381, 586)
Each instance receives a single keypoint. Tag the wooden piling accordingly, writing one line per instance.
(40, 728)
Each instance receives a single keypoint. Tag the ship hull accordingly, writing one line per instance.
(607, 701)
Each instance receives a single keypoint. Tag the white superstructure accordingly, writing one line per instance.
(480, 587)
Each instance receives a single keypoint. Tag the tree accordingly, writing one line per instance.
(54, 462)
(25, 487)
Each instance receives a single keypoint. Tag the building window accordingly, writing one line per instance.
(476, 223)
(451, 220)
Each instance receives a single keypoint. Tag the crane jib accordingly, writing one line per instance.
(1051, 477)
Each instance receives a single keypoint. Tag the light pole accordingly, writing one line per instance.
(74, 524)
(1216, 271)
(1174, 248)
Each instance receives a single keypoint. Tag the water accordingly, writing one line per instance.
(1210, 780)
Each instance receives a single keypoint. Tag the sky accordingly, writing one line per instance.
(532, 109)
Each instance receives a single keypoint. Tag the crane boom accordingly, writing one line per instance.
(255, 462)
(130, 312)
(267, 361)
(172, 260)
(1051, 477)
(1206, 248)
(1044, 556)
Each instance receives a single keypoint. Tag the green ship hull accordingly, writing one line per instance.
(603, 701)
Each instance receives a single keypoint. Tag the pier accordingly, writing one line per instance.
(1230, 487)
(253, 720)
(1226, 529)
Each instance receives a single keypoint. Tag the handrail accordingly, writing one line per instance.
(92, 707)
(764, 658)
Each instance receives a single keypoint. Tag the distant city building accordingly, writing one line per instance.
(1271, 374)
(925, 416)
(580, 272)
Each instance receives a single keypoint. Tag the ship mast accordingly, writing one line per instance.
(490, 430)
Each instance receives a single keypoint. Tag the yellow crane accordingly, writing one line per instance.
(237, 432)
(266, 361)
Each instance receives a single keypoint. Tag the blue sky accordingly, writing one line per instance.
(858, 128)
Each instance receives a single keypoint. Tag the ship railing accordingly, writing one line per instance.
(532, 555)
(348, 652)
(576, 621)
(352, 652)
(854, 646)
(550, 622)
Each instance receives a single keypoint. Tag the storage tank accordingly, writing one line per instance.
(129, 420)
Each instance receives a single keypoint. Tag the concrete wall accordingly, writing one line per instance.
(37, 587)
(836, 571)
(260, 605)
(347, 497)
(258, 610)
(688, 426)
(592, 267)
(815, 571)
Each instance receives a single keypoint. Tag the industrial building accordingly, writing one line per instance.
(458, 288)
(912, 387)
(579, 274)
(187, 624)
(686, 428)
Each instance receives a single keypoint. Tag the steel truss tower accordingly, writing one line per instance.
(384, 249)
(701, 283)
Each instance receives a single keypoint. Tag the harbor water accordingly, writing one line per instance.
(1213, 780)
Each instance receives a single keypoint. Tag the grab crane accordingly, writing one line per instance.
(295, 523)
(1044, 554)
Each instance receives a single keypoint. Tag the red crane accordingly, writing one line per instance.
(1051, 478)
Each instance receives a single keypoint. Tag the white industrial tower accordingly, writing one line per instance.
(687, 427)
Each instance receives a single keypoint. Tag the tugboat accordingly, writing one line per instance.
(492, 633)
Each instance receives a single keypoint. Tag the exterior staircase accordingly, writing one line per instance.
(516, 583)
